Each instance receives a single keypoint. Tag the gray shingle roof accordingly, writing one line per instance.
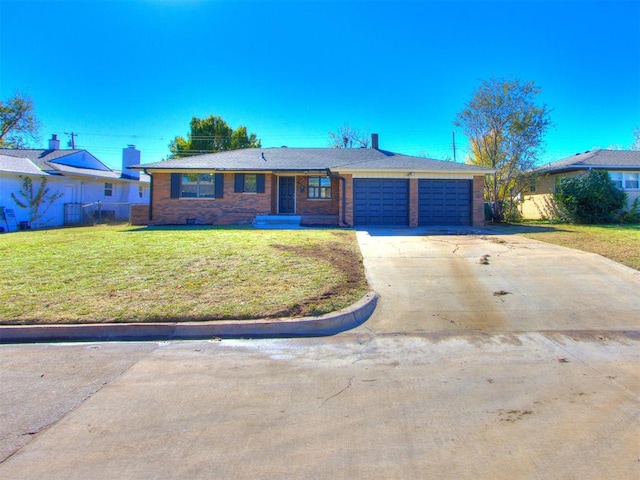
(12, 164)
(602, 159)
(305, 159)
(38, 156)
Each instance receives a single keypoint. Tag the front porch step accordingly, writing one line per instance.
(277, 221)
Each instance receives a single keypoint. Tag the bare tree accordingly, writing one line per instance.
(348, 137)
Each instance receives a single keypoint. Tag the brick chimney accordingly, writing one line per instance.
(130, 156)
(374, 141)
(54, 143)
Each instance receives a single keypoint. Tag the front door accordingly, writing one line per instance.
(286, 194)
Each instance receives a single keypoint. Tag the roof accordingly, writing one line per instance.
(53, 162)
(596, 159)
(311, 159)
(38, 156)
(18, 165)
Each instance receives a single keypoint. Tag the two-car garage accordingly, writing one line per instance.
(386, 201)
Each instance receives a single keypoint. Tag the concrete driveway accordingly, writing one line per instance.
(493, 283)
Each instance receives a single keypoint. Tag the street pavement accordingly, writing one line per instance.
(543, 385)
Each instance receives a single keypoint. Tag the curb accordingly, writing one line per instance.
(325, 325)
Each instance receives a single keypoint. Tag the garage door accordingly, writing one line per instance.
(380, 201)
(444, 202)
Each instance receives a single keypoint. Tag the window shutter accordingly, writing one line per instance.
(239, 183)
(218, 185)
(260, 183)
(175, 185)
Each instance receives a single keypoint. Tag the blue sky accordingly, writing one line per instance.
(135, 72)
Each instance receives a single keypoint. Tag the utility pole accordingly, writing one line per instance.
(72, 143)
(453, 134)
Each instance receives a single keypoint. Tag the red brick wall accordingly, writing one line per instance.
(348, 198)
(478, 201)
(413, 202)
(139, 215)
(232, 208)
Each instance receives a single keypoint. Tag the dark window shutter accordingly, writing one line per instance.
(260, 183)
(175, 185)
(219, 185)
(239, 183)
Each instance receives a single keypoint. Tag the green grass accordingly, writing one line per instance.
(129, 274)
(620, 243)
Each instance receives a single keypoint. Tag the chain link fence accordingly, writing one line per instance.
(96, 212)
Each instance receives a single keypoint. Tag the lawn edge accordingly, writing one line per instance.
(325, 325)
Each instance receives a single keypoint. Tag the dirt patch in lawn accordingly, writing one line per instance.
(348, 262)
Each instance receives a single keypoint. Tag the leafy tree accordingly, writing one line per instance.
(636, 139)
(505, 128)
(240, 139)
(209, 135)
(590, 198)
(37, 201)
(348, 137)
(19, 126)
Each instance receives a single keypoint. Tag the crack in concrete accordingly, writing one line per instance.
(338, 393)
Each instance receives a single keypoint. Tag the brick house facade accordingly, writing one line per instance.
(333, 187)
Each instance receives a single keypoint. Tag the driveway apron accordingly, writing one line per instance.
(493, 283)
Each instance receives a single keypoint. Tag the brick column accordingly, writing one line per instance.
(348, 199)
(478, 201)
(413, 202)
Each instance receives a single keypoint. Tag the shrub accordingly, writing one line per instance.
(633, 214)
(590, 198)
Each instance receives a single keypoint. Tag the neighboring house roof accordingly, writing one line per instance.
(60, 162)
(42, 158)
(312, 159)
(596, 159)
(19, 165)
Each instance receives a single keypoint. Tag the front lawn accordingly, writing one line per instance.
(620, 243)
(133, 274)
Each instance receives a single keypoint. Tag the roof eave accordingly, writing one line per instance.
(574, 168)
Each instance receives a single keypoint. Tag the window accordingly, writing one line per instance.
(108, 189)
(616, 178)
(631, 181)
(197, 185)
(533, 183)
(625, 181)
(319, 187)
(250, 183)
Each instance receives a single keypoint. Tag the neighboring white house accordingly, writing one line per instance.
(85, 185)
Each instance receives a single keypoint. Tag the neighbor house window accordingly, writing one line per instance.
(108, 189)
(616, 178)
(631, 181)
(197, 185)
(319, 187)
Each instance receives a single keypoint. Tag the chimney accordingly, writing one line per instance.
(374, 141)
(54, 143)
(130, 156)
